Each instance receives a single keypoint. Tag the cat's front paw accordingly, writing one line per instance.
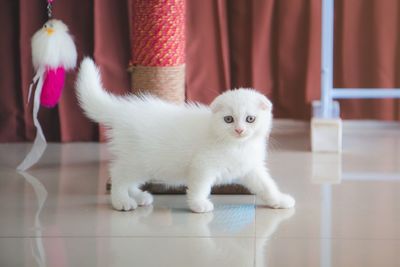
(123, 204)
(201, 206)
(283, 201)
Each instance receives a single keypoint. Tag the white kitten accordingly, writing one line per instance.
(189, 144)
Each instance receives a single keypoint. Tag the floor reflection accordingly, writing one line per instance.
(219, 234)
(38, 250)
(326, 168)
(327, 171)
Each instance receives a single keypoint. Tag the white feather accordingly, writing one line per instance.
(54, 50)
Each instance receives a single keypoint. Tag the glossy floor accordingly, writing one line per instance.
(347, 212)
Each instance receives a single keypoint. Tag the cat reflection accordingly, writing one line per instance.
(225, 237)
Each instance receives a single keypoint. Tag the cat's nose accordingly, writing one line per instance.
(239, 131)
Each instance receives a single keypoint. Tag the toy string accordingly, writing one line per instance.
(50, 8)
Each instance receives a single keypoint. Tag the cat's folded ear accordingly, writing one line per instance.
(265, 103)
(215, 106)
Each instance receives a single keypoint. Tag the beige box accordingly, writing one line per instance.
(326, 135)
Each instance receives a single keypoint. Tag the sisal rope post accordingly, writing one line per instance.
(158, 48)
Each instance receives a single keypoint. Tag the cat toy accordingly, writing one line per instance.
(53, 53)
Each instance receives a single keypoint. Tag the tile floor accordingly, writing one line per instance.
(347, 213)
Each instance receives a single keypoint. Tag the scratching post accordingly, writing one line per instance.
(158, 55)
(158, 48)
(158, 63)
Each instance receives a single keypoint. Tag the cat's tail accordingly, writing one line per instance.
(98, 104)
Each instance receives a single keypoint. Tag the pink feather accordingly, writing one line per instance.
(52, 87)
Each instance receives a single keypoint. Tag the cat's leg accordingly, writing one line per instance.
(121, 182)
(260, 183)
(143, 198)
(199, 188)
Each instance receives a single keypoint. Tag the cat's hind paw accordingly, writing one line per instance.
(201, 206)
(284, 201)
(143, 198)
(123, 204)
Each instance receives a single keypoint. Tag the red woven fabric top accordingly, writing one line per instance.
(158, 32)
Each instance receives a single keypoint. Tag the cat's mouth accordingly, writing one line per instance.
(240, 135)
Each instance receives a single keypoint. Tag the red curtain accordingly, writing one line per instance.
(367, 54)
(271, 45)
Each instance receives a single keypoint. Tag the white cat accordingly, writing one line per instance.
(190, 144)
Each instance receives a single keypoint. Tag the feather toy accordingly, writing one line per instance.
(53, 53)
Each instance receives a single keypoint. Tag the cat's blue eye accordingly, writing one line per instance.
(250, 119)
(228, 119)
